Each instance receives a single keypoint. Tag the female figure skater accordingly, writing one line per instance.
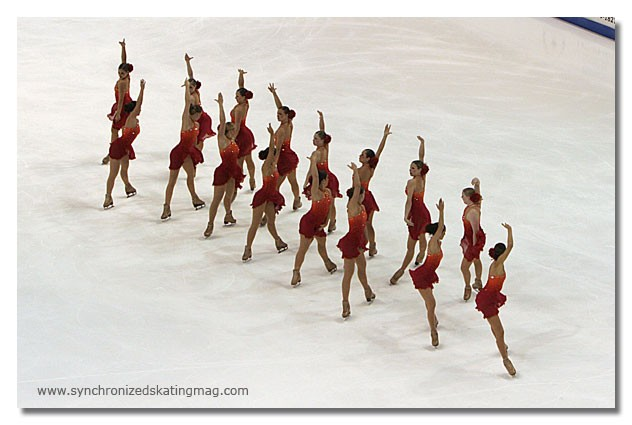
(288, 160)
(490, 299)
(121, 93)
(369, 160)
(353, 244)
(121, 150)
(313, 222)
(416, 215)
(321, 141)
(244, 137)
(473, 239)
(185, 154)
(205, 123)
(425, 276)
(228, 174)
(267, 200)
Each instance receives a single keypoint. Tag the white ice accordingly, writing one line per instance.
(118, 298)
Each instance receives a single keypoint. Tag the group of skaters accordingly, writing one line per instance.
(279, 163)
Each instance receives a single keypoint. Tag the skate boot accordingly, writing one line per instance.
(264, 221)
(418, 259)
(370, 297)
(108, 203)
(247, 254)
(166, 212)
(467, 293)
(229, 220)
(399, 273)
(105, 160)
(253, 184)
(331, 266)
(296, 278)
(297, 203)
(346, 310)
(280, 245)
(332, 226)
(209, 230)
(130, 190)
(434, 335)
(478, 285)
(372, 249)
(198, 203)
(509, 366)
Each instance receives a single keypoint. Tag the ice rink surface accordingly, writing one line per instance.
(118, 298)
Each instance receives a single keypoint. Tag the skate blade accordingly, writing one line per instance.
(108, 207)
(129, 195)
(246, 260)
(199, 207)
(281, 250)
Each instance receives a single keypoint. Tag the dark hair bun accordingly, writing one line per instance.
(476, 197)
(130, 67)
(291, 114)
(327, 138)
(424, 169)
(198, 84)
(492, 253)
(248, 94)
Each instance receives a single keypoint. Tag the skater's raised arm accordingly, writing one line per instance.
(277, 101)
(271, 159)
(221, 131)
(317, 194)
(422, 148)
(240, 79)
(477, 185)
(502, 257)
(321, 121)
(139, 101)
(437, 234)
(187, 59)
(123, 52)
(187, 97)
(357, 187)
(387, 132)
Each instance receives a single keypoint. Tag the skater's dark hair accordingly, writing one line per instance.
(323, 136)
(129, 107)
(322, 175)
(422, 166)
(264, 153)
(370, 153)
(195, 83)
(432, 228)
(471, 193)
(289, 112)
(245, 93)
(497, 250)
(351, 190)
(195, 109)
(127, 67)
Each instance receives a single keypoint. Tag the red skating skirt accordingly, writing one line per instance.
(311, 227)
(488, 302)
(352, 244)
(333, 185)
(288, 161)
(266, 194)
(227, 170)
(245, 140)
(117, 125)
(123, 145)
(420, 216)
(470, 251)
(424, 277)
(369, 203)
(179, 154)
(206, 127)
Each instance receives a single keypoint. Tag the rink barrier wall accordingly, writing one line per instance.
(602, 26)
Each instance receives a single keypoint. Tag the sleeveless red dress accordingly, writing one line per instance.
(419, 215)
(312, 222)
(206, 124)
(425, 276)
(269, 193)
(185, 148)
(229, 168)
(471, 251)
(370, 205)
(490, 299)
(123, 145)
(288, 160)
(126, 99)
(245, 139)
(354, 242)
(333, 184)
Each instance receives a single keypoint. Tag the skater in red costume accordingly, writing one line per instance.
(185, 154)
(205, 123)
(353, 244)
(244, 139)
(121, 93)
(227, 175)
(267, 200)
(313, 222)
(288, 160)
(425, 276)
(473, 239)
(416, 214)
(321, 141)
(490, 299)
(121, 150)
(369, 160)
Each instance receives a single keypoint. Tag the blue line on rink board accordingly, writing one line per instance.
(592, 26)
